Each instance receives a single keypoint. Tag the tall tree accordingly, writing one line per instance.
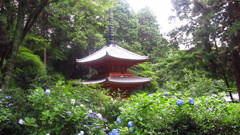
(26, 15)
(125, 22)
(148, 30)
(81, 29)
(67, 28)
(215, 21)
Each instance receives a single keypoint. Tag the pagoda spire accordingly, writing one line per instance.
(110, 28)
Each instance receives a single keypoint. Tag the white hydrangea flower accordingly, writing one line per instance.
(21, 121)
(99, 115)
(73, 101)
(81, 133)
(82, 105)
(48, 134)
(47, 92)
(90, 111)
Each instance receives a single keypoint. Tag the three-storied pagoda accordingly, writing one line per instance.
(111, 63)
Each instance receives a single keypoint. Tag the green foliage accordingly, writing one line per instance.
(76, 29)
(73, 107)
(159, 114)
(5, 112)
(184, 71)
(149, 34)
(13, 105)
(66, 109)
(36, 43)
(145, 70)
(214, 27)
(29, 67)
(234, 28)
(196, 83)
(126, 23)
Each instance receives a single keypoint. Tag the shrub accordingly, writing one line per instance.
(196, 83)
(29, 67)
(72, 108)
(64, 109)
(177, 114)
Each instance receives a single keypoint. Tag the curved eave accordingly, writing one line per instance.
(95, 81)
(109, 59)
(129, 80)
(113, 51)
(120, 80)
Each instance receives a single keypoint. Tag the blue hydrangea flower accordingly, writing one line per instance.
(98, 127)
(87, 125)
(180, 102)
(132, 132)
(119, 120)
(191, 101)
(10, 104)
(104, 119)
(1, 102)
(166, 93)
(130, 124)
(114, 132)
(69, 112)
(7, 97)
(91, 115)
(151, 95)
(47, 92)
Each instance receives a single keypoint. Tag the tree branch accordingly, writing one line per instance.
(33, 17)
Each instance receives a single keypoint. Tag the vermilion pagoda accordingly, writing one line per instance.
(111, 63)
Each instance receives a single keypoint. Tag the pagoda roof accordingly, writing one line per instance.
(120, 80)
(114, 51)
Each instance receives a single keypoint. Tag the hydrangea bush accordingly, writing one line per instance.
(168, 114)
(63, 109)
(75, 109)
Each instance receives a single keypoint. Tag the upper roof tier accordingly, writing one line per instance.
(114, 51)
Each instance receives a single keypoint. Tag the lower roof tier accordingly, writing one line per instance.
(120, 80)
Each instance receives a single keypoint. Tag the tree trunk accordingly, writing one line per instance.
(236, 50)
(20, 32)
(236, 67)
(45, 58)
(15, 45)
(44, 33)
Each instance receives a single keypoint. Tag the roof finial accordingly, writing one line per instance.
(110, 28)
